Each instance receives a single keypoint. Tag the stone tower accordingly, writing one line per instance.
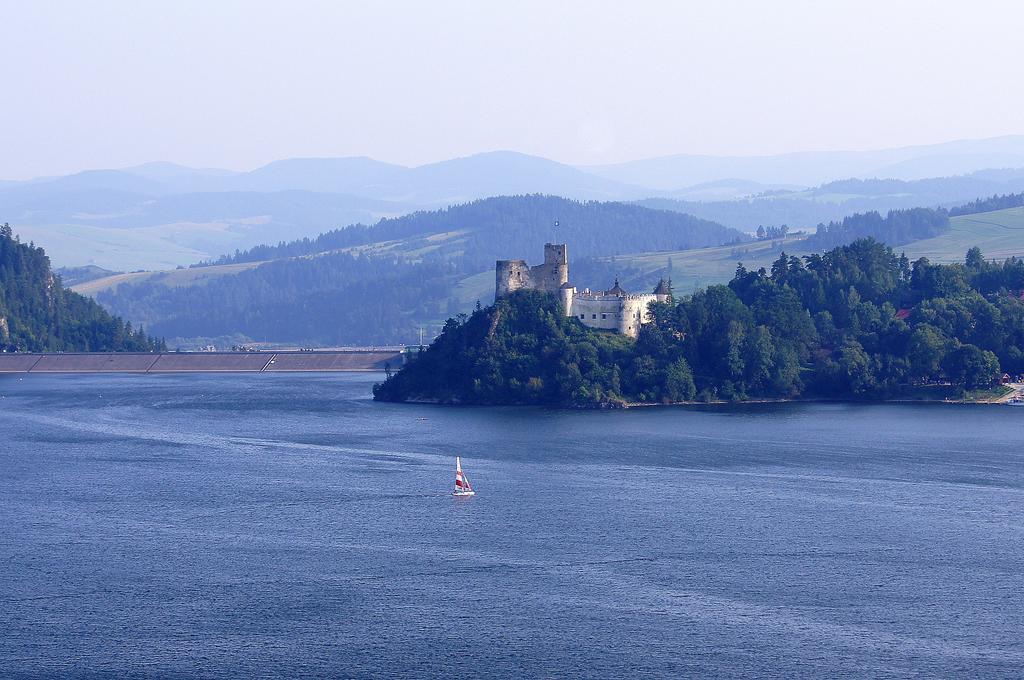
(556, 264)
(511, 275)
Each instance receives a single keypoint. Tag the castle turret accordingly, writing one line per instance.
(663, 291)
(566, 294)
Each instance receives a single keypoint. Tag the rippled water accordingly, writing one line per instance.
(240, 525)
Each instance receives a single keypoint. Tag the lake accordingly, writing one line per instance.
(283, 525)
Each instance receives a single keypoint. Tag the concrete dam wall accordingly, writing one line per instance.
(200, 362)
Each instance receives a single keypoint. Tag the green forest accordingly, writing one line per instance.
(999, 202)
(331, 299)
(513, 226)
(37, 314)
(857, 322)
(898, 227)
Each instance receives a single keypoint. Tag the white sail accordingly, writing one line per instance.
(462, 486)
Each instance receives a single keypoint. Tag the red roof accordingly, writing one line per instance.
(903, 314)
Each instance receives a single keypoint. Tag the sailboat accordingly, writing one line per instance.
(462, 487)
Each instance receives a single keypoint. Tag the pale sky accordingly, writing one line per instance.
(238, 84)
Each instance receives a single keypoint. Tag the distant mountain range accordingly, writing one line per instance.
(669, 173)
(806, 208)
(162, 215)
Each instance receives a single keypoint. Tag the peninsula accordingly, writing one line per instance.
(856, 322)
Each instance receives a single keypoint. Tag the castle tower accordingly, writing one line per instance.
(556, 266)
(550, 277)
(510, 275)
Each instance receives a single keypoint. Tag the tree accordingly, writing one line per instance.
(972, 367)
(679, 384)
(856, 368)
(974, 260)
(926, 351)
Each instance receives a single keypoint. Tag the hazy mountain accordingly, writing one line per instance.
(380, 283)
(444, 183)
(163, 214)
(508, 227)
(355, 175)
(166, 171)
(834, 200)
(127, 231)
(503, 173)
(728, 189)
(669, 173)
(96, 180)
(451, 181)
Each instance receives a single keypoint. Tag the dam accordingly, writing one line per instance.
(202, 362)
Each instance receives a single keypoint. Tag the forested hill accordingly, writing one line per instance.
(998, 202)
(512, 226)
(855, 322)
(38, 314)
(897, 228)
(379, 284)
(900, 227)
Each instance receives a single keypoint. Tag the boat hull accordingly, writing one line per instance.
(463, 493)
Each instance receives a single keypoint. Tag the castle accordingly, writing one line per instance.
(613, 310)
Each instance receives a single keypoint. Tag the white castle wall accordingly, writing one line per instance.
(623, 314)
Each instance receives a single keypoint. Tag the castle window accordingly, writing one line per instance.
(593, 316)
(583, 316)
(604, 316)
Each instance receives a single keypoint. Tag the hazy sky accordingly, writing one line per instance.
(238, 84)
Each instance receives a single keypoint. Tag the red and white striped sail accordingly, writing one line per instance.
(462, 486)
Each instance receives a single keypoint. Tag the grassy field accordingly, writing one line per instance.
(999, 234)
(700, 267)
(172, 277)
(117, 249)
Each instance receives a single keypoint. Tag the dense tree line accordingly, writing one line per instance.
(772, 232)
(858, 321)
(511, 227)
(38, 314)
(998, 202)
(896, 228)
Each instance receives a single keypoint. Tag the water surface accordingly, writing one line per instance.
(255, 524)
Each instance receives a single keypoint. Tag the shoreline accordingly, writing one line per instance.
(1012, 390)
